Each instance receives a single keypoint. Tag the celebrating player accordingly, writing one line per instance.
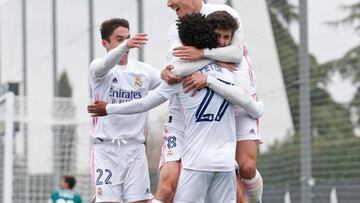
(118, 153)
(158, 97)
(247, 134)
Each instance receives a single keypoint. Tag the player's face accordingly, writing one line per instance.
(182, 7)
(119, 35)
(224, 37)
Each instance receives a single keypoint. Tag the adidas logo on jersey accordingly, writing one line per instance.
(114, 80)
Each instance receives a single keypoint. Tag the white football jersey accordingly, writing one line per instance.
(121, 84)
(209, 143)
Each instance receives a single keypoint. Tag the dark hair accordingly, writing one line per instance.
(107, 27)
(222, 20)
(195, 31)
(70, 180)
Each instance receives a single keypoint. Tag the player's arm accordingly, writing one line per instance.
(183, 68)
(186, 58)
(230, 54)
(234, 52)
(237, 94)
(154, 77)
(150, 101)
(102, 66)
(179, 67)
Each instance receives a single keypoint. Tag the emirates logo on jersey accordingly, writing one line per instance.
(137, 82)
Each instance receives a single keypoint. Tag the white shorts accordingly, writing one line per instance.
(171, 148)
(247, 128)
(120, 172)
(198, 186)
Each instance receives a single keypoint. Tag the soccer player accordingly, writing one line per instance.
(247, 134)
(210, 131)
(232, 54)
(66, 193)
(118, 152)
(201, 115)
(246, 126)
(171, 150)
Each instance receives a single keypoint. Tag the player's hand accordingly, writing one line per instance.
(137, 41)
(188, 53)
(169, 77)
(230, 66)
(194, 82)
(97, 109)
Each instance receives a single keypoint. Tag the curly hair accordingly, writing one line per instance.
(195, 31)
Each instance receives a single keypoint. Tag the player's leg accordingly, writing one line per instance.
(246, 152)
(137, 179)
(106, 173)
(168, 180)
(240, 198)
(169, 166)
(192, 186)
(222, 188)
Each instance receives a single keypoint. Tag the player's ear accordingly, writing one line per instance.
(105, 43)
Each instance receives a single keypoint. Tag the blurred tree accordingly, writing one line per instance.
(65, 137)
(349, 64)
(333, 140)
(323, 108)
(352, 18)
(65, 89)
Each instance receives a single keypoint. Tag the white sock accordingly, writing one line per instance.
(254, 188)
(155, 201)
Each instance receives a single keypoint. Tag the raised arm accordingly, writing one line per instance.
(102, 66)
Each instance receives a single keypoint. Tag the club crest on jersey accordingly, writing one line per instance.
(137, 82)
(99, 191)
(114, 80)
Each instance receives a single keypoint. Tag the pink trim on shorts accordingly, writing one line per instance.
(93, 127)
(163, 146)
(146, 131)
(93, 168)
(94, 119)
(245, 53)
